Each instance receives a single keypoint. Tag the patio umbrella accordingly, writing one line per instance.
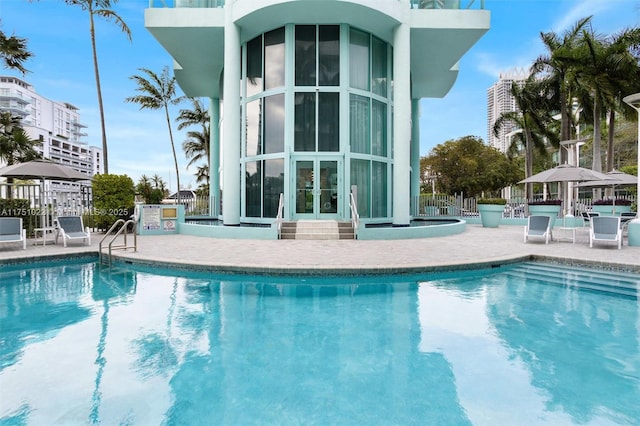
(566, 173)
(616, 178)
(43, 169)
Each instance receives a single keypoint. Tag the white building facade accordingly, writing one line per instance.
(315, 100)
(58, 128)
(500, 101)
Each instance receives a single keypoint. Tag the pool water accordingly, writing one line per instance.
(523, 344)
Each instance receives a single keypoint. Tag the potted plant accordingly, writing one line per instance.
(550, 207)
(491, 210)
(611, 207)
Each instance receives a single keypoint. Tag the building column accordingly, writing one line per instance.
(214, 157)
(401, 125)
(415, 150)
(231, 126)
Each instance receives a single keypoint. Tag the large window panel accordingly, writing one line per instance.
(274, 124)
(360, 178)
(274, 62)
(305, 122)
(305, 55)
(253, 135)
(379, 67)
(379, 128)
(329, 55)
(329, 122)
(359, 124)
(273, 186)
(378, 189)
(359, 59)
(253, 189)
(254, 66)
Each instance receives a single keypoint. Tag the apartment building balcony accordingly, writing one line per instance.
(14, 102)
(441, 32)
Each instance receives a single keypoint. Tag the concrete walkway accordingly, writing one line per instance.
(475, 246)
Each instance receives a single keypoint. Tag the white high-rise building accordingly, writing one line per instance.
(57, 126)
(499, 101)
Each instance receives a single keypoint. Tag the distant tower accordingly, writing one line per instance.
(499, 101)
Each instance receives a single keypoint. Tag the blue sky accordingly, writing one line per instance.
(62, 70)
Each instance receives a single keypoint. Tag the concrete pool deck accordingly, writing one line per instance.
(475, 246)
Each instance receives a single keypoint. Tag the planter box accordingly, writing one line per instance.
(606, 210)
(551, 211)
(490, 214)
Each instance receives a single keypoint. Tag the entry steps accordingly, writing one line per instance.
(598, 280)
(317, 230)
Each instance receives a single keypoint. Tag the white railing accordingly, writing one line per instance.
(355, 217)
(280, 214)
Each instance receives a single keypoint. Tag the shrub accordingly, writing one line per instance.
(609, 202)
(113, 199)
(545, 203)
(501, 201)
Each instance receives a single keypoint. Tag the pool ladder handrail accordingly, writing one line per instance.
(123, 246)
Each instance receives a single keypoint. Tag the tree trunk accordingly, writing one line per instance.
(610, 135)
(175, 157)
(105, 151)
(597, 156)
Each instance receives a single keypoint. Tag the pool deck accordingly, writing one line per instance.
(477, 246)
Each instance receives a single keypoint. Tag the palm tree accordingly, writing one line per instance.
(158, 92)
(159, 183)
(554, 66)
(13, 52)
(532, 117)
(102, 9)
(15, 144)
(197, 144)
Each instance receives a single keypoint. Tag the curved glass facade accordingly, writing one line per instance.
(316, 120)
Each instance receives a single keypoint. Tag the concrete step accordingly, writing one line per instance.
(316, 230)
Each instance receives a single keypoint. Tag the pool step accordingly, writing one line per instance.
(317, 230)
(622, 284)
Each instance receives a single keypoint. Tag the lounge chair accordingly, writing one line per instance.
(586, 217)
(605, 229)
(71, 228)
(11, 231)
(538, 227)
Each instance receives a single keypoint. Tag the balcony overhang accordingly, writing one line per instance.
(439, 38)
(195, 40)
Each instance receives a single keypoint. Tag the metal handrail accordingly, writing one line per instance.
(355, 217)
(123, 246)
(280, 214)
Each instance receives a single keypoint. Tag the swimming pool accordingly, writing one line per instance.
(520, 344)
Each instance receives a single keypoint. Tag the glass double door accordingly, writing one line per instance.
(317, 188)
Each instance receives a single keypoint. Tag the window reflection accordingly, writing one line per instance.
(274, 62)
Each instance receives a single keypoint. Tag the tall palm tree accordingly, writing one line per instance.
(554, 67)
(159, 183)
(13, 52)
(197, 144)
(102, 9)
(532, 117)
(158, 92)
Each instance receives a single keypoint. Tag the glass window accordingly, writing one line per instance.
(273, 186)
(379, 128)
(274, 59)
(329, 122)
(360, 178)
(305, 122)
(329, 55)
(254, 66)
(253, 135)
(253, 189)
(359, 124)
(378, 189)
(305, 55)
(274, 124)
(359, 59)
(379, 67)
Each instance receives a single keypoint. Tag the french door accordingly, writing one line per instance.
(317, 183)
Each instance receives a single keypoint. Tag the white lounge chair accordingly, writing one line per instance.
(11, 231)
(71, 228)
(605, 229)
(538, 227)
